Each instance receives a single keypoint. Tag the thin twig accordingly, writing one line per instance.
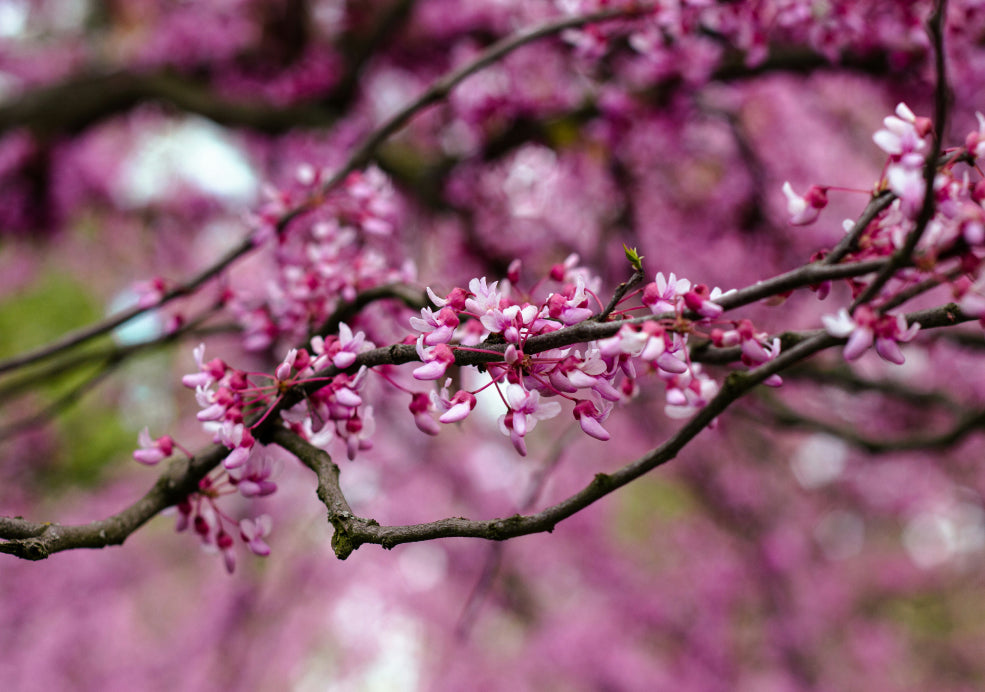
(935, 27)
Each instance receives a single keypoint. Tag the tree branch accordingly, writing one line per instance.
(35, 541)
(352, 531)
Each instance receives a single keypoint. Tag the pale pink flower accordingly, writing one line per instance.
(420, 407)
(207, 372)
(866, 327)
(526, 408)
(253, 531)
(590, 417)
(151, 450)
(665, 293)
(805, 210)
(975, 141)
(436, 360)
(903, 133)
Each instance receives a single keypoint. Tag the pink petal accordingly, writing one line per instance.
(890, 350)
(858, 343)
(592, 427)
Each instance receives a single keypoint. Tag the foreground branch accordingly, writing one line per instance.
(352, 531)
(31, 540)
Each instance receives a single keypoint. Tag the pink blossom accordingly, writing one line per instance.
(347, 346)
(207, 372)
(866, 327)
(151, 450)
(903, 133)
(525, 409)
(420, 407)
(438, 328)
(283, 371)
(975, 141)
(701, 300)
(358, 431)
(805, 210)
(150, 292)
(253, 531)
(590, 417)
(665, 293)
(252, 479)
(436, 360)
(688, 392)
(457, 408)
(570, 306)
(224, 542)
(484, 297)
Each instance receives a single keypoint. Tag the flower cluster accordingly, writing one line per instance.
(200, 512)
(232, 403)
(341, 244)
(593, 376)
(950, 247)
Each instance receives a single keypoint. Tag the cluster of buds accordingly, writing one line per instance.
(233, 402)
(216, 531)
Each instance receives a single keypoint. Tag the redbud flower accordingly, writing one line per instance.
(459, 407)
(436, 360)
(283, 371)
(526, 408)
(149, 292)
(975, 141)
(253, 531)
(152, 451)
(348, 346)
(701, 300)
(455, 300)
(420, 406)
(484, 297)
(904, 133)
(805, 210)
(357, 432)
(236, 437)
(664, 294)
(438, 328)
(569, 306)
(253, 478)
(590, 417)
(688, 392)
(224, 542)
(888, 331)
(207, 372)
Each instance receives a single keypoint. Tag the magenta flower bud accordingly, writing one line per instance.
(513, 271)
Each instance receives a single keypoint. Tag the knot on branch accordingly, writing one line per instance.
(31, 549)
(342, 541)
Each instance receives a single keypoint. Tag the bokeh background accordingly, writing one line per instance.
(828, 535)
